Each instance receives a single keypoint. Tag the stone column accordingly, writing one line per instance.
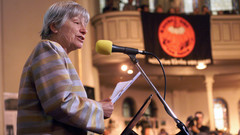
(209, 80)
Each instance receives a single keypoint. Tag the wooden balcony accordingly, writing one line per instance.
(125, 29)
(225, 37)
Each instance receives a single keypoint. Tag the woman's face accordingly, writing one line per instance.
(72, 34)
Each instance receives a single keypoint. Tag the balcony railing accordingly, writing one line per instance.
(125, 28)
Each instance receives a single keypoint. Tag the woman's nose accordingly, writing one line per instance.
(83, 31)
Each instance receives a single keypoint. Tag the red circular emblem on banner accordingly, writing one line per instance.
(176, 36)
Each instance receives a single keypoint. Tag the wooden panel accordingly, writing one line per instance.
(215, 33)
(226, 32)
(122, 28)
(134, 29)
(236, 31)
(99, 31)
(111, 28)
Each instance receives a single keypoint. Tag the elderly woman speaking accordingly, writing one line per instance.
(52, 99)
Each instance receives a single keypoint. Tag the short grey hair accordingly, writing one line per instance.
(58, 13)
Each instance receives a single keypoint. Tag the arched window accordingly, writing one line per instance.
(128, 107)
(221, 114)
(151, 110)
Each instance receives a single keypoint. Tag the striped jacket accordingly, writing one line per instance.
(52, 99)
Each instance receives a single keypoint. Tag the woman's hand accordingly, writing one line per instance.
(108, 107)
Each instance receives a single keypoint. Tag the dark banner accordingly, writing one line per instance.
(177, 39)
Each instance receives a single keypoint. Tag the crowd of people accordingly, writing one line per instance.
(204, 10)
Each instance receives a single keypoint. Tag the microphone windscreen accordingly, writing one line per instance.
(104, 47)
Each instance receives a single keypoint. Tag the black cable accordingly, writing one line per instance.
(165, 80)
(180, 125)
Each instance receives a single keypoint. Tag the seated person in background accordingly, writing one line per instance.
(177, 10)
(163, 132)
(234, 11)
(196, 11)
(171, 10)
(220, 12)
(109, 6)
(195, 124)
(205, 10)
(226, 12)
(139, 9)
(145, 8)
(213, 133)
(129, 6)
(159, 9)
(230, 12)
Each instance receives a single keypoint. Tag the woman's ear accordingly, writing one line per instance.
(53, 28)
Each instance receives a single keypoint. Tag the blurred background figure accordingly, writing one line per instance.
(159, 9)
(163, 132)
(196, 11)
(220, 12)
(195, 124)
(145, 8)
(139, 9)
(145, 124)
(205, 10)
(171, 10)
(177, 10)
(129, 6)
(109, 6)
(110, 127)
(213, 133)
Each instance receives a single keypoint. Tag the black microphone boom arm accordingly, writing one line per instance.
(180, 125)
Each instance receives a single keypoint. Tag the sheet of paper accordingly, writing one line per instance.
(121, 87)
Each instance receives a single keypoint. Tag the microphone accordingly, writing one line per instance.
(106, 47)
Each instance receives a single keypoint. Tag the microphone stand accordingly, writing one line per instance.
(180, 125)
